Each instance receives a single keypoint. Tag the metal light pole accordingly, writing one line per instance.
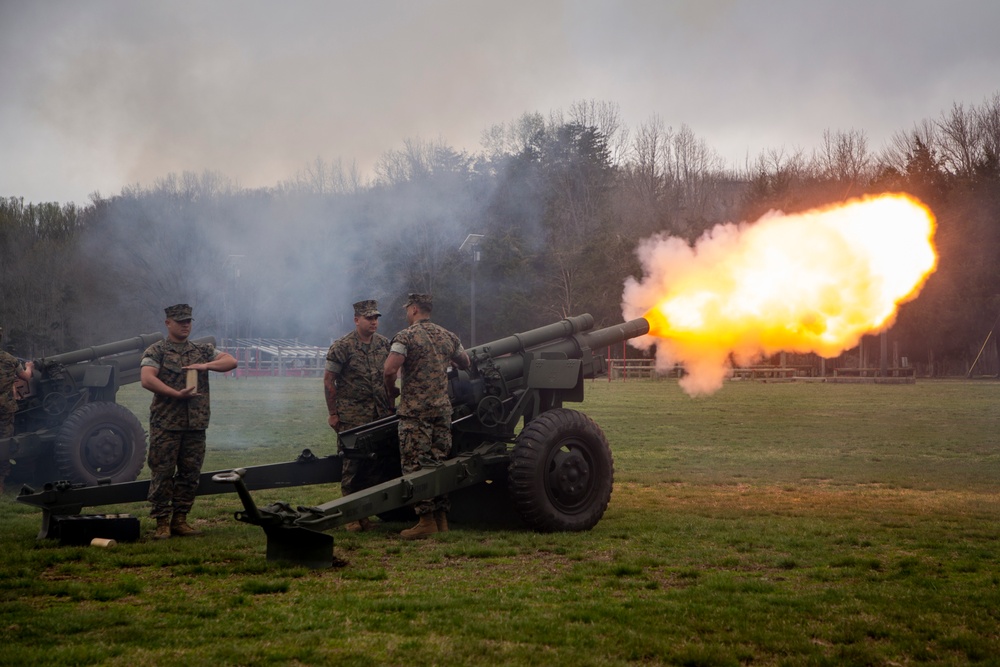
(232, 325)
(883, 365)
(471, 243)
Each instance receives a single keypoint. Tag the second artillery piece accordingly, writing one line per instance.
(68, 425)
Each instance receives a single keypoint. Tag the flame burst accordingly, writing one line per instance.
(811, 282)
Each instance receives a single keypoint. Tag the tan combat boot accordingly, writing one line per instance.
(179, 527)
(162, 528)
(359, 526)
(426, 526)
(441, 519)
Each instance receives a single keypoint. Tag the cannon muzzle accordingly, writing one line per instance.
(569, 339)
(600, 339)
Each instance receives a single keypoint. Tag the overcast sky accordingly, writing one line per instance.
(99, 94)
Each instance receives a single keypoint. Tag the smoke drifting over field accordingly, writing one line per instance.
(269, 263)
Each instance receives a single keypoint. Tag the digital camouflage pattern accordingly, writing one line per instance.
(428, 349)
(175, 468)
(357, 368)
(424, 407)
(366, 308)
(170, 358)
(361, 398)
(177, 426)
(423, 441)
(178, 312)
(9, 367)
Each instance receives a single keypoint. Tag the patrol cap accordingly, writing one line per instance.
(178, 312)
(422, 301)
(366, 308)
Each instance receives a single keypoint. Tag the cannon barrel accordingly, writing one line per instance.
(520, 342)
(596, 340)
(568, 338)
(136, 344)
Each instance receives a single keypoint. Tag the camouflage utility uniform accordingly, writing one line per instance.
(361, 398)
(424, 407)
(177, 426)
(9, 368)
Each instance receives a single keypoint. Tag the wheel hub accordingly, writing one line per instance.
(569, 478)
(104, 448)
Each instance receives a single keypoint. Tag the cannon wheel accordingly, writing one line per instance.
(561, 472)
(100, 441)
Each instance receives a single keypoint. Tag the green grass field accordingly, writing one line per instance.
(768, 524)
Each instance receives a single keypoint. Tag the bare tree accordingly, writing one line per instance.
(606, 117)
(353, 182)
(415, 160)
(988, 127)
(960, 142)
(844, 157)
(639, 202)
(898, 153)
(392, 167)
(693, 171)
(651, 151)
(317, 177)
(513, 138)
(324, 178)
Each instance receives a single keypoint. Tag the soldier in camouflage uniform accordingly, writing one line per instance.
(178, 418)
(11, 370)
(423, 351)
(355, 394)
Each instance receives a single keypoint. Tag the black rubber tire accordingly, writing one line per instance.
(561, 472)
(100, 441)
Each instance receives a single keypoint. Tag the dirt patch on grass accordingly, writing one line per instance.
(816, 499)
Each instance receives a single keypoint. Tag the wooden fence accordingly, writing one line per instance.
(645, 369)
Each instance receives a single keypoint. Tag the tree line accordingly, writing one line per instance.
(561, 201)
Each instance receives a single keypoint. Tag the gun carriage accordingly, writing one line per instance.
(68, 425)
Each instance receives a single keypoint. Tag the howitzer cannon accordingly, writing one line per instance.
(68, 425)
(556, 473)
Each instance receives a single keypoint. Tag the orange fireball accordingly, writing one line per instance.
(811, 282)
